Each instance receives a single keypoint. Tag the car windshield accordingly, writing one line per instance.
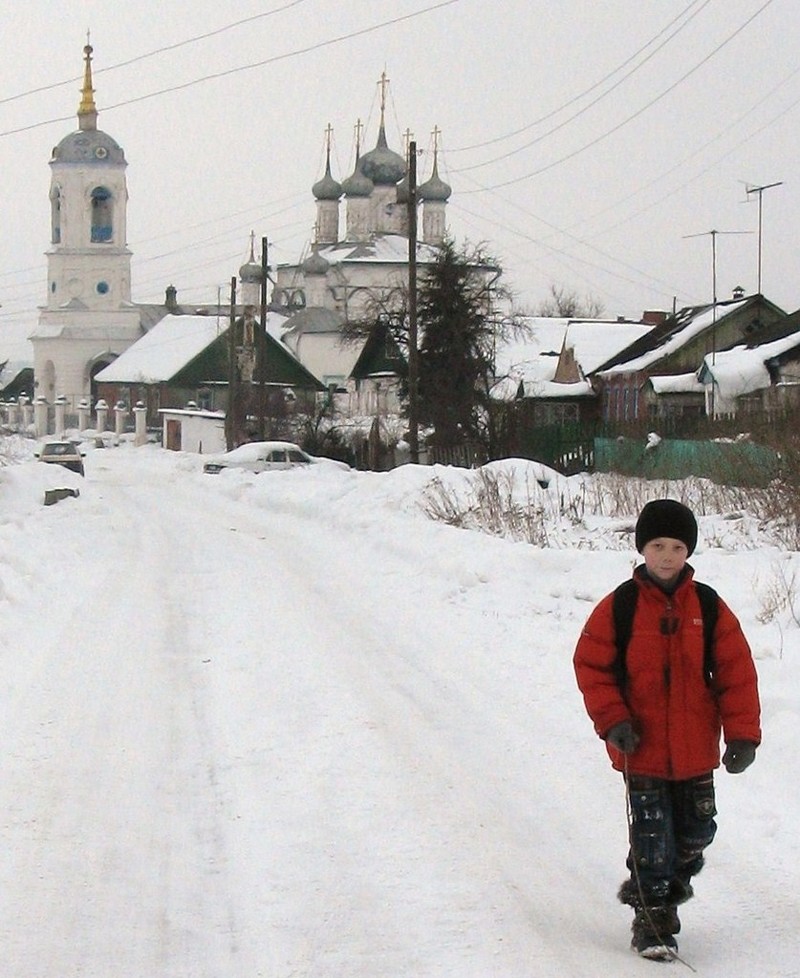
(59, 449)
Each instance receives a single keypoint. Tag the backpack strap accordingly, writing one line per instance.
(709, 608)
(623, 606)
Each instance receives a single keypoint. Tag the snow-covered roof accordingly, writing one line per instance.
(549, 388)
(677, 384)
(382, 248)
(742, 370)
(593, 341)
(693, 326)
(168, 347)
(165, 350)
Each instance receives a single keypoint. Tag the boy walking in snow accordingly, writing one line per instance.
(660, 705)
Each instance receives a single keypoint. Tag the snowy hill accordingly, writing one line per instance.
(287, 725)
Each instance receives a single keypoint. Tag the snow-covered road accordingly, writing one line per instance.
(245, 734)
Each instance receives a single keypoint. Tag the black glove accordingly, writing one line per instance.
(738, 756)
(623, 737)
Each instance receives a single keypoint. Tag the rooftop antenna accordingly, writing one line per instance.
(760, 191)
(713, 233)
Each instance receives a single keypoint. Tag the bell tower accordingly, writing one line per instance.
(89, 318)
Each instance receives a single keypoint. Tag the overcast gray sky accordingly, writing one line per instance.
(584, 141)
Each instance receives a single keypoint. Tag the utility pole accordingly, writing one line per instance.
(713, 233)
(230, 414)
(760, 192)
(413, 353)
(262, 359)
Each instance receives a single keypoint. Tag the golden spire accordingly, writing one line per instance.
(87, 110)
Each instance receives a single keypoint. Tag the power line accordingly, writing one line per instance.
(635, 115)
(580, 112)
(577, 98)
(213, 76)
(150, 54)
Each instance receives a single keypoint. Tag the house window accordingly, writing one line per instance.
(102, 226)
(625, 405)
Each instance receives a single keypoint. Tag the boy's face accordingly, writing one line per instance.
(664, 558)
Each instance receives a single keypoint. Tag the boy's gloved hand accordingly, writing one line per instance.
(623, 737)
(739, 755)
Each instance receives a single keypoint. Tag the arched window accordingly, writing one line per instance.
(102, 210)
(55, 215)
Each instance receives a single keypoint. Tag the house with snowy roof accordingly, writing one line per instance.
(657, 375)
(762, 380)
(186, 359)
(546, 368)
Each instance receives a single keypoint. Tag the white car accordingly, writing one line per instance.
(264, 456)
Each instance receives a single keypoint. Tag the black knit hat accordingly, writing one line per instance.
(666, 518)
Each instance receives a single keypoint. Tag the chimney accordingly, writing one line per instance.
(738, 292)
(171, 299)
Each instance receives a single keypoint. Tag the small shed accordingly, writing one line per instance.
(193, 430)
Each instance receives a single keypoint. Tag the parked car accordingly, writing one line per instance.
(265, 456)
(66, 453)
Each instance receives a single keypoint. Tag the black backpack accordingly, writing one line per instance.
(623, 607)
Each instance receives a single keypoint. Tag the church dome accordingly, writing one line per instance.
(88, 146)
(382, 165)
(316, 264)
(250, 272)
(357, 184)
(435, 188)
(327, 188)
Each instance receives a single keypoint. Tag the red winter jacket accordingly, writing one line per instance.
(677, 715)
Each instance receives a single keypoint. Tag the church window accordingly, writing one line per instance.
(55, 215)
(102, 227)
(102, 287)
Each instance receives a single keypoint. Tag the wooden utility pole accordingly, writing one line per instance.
(262, 355)
(413, 353)
(230, 414)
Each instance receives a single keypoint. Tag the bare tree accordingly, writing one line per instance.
(567, 304)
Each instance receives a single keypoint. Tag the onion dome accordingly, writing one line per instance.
(316, 264)
(382, 165)
(327, 188)
(251, 270)
(358, 184)
(435, 188)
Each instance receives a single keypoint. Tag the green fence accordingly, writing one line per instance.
(726, 463)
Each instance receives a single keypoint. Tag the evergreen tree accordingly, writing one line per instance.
(459, 320)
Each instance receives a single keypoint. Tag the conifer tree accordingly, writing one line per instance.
(459, 318)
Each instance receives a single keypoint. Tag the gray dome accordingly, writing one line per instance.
(316, 264)
(88, 146)
(250, 272)
(357, 184)
(327, 188)
(435, 188)
(382, 165)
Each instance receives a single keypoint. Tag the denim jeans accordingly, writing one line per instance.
(672, 822)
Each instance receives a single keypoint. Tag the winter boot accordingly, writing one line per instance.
(654, 930)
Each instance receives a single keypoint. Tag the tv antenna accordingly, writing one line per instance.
(713, 234)
(760, 191)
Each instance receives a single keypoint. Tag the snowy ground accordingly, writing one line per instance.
(287, 725)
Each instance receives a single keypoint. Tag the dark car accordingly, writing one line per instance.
(65, 453)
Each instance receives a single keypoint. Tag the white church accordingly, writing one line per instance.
(90, 319)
